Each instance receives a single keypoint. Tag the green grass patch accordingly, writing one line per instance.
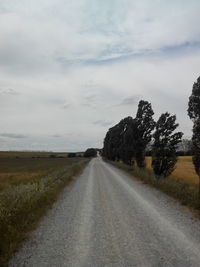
(23, 204)
(186, 193)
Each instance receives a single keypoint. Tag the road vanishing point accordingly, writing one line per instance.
(106, 218)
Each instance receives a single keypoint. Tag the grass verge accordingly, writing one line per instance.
(186, 193)
(23, 205)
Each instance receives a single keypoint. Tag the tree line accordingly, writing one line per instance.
(129, 139)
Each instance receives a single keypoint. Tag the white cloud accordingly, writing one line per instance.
(67, 66)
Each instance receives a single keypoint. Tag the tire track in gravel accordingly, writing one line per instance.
(107, 219)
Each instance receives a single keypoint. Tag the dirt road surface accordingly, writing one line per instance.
(105, 218)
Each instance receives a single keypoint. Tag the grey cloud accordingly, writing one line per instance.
(12, 135)
(8, 91)
(3, 10)
(103, 31)
(90, 100)
(55, 135)
(132, 100)
(66, 105)
(103, 123)
(40, 41)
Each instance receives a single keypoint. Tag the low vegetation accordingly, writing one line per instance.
(90, 153)
(185, 192)
(184, 171)
(14, 171)
(28, 188)
(27, 154)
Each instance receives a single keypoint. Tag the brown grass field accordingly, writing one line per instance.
(29, 184)
(14, 171)
(27, 154)
(184, 170)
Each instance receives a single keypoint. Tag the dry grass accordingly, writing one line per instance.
(184, 170)
(28, 189)
(14, 171)
(186, 193)
(27, 154)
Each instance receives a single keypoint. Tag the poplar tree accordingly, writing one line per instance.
(143, 126)
(194, 114)
(165, 144)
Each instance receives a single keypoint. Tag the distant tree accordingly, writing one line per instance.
(194, 101)
(90, 152)
(194, 114)
(142, 127)
(180, 153)
(165, 144)
(185, 147)
(71, 155)
(115, 145)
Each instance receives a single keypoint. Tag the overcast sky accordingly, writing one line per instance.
(69, 70)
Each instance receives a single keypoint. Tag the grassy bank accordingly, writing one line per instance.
(186, 193)
(29, 187)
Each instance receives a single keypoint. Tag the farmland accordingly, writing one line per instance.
(14, 171)
(184, 170)
(29, 184)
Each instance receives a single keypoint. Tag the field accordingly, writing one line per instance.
(184, 170)
(15, 154)
(14, 171)
(29, 184)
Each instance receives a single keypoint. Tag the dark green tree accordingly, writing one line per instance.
(130, 137)
(71, 155)
(165, 144)
(125, 149)
(90, 152)
(194, 114)
(196, 146)
(142, 127)
(115, 147)
(194, 101)
(112, 143)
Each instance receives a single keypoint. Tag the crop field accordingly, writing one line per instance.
(29, 184)
(24, 154)
(184, 170)
(14, 171)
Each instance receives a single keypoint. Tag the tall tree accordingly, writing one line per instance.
(142, 128)
(165, 145)
(125, 149)
(115, 144)
(196, 146)
(194, 102)
(129, 138)
(194, 114)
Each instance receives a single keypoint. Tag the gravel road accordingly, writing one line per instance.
(107, 219)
